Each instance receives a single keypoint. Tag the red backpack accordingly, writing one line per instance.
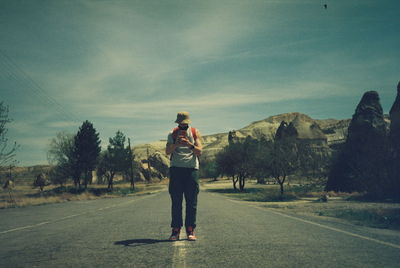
(175, 135)
(176, 130)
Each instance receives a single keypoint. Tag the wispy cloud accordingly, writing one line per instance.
(61, 124)
(131, 65)
(35, 141)
(219, 98)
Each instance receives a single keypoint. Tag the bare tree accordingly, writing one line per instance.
(60, 156)
(9, 185)
(7, 153)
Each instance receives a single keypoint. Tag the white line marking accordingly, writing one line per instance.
(25, 227)
(70, 216)
(179, 256)
(325, 226)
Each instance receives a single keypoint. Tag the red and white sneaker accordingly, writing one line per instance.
(175, 234)
(190, 233)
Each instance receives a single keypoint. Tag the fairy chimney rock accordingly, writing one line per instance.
(368, 117)
(395, 114)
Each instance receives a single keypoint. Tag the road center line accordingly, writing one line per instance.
(179, 256)
(324, 226)
(71, 216)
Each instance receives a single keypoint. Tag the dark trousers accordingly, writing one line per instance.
(183, 182)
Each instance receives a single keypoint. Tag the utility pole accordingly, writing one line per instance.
(10, 184)
(148, 164)
(131, 164)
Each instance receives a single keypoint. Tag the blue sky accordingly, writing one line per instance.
(132, 65)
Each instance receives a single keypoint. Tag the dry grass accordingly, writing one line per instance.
(344, 206)
(24, 195)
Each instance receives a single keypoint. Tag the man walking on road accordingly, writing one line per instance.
(184, 146)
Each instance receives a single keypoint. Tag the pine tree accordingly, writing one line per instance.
(86, 150)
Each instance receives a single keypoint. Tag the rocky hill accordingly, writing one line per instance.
(330, 131)
(333, 130)
(23, 175)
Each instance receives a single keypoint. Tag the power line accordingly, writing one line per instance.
(22, 84)
(34, 86)
(17, 73)
(11, 75)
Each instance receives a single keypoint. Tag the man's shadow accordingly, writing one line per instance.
(140, 242)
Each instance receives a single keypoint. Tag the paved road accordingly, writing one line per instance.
(131, 232)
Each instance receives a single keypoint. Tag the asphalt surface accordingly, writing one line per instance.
(132, 232)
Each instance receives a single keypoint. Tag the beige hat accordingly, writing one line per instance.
(182, 118)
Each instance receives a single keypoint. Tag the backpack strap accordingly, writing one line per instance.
(175, 133)
(194, 133)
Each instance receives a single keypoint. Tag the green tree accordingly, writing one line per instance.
(59, 174)
(41, 181)
(209, 169)
(314, 163)
(104, 170)
(226, 161)
(86, 151)
(277, 158)
(7, 153)
(237, 161)
(116, 159)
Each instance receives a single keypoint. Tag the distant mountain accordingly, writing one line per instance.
(333, 130)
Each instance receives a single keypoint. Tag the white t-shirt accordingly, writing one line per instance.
(183, 156)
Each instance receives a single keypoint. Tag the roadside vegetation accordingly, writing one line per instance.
(26, 195)
(308, 201)
(78, 170)
(269, 160)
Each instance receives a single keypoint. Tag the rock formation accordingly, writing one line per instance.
(395, 122)
(394, 136)
(307, 130)
(160, 163)
(282, 131)
(312, 148)
(368, 120)
(360, 165)
(316, 132)
(232, 138)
